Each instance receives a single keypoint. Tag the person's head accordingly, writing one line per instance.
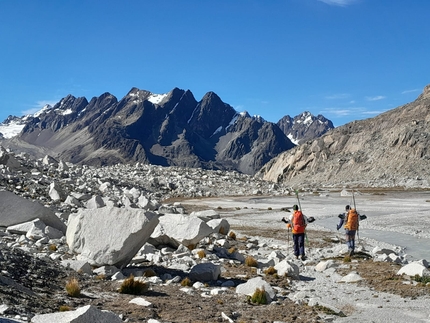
(347, 208)
(295, 207)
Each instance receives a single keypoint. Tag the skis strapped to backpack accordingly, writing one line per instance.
(300, 208)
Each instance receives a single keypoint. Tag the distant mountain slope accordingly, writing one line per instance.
(392, 149)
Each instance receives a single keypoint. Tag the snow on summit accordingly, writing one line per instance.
(156, 98)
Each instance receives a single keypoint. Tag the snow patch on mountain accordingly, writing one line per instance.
(156, 98)
(10, 130)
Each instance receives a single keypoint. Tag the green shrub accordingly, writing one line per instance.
(259, 296)
(421, 279)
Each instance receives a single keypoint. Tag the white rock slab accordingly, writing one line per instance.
(141, 302)
(253, 284)
(289, 268)
(109, 236)
(352, 277)
(16, 209)
(414, 268)
(177, 229)
(84, 314)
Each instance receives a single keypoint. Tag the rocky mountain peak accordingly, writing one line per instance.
(426, 92)
(304, 126)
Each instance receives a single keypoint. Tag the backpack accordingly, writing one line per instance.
(352, 220)
(299, 224)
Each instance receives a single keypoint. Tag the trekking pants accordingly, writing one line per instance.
(350, 239)
(299, 244)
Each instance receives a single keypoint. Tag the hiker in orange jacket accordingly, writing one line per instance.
(350, 220)
(298, 222)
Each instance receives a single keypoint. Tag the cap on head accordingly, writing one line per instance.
(347, 207)
(295, 207)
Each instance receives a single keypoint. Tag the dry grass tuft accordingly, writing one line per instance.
(72, 287)
(64, 308)
(232, 250)
(201, 254)
(251, 262)
(232, 235)
(52, 247)
(270, 271)
(186, 282)
(191, 247)
(133, 287)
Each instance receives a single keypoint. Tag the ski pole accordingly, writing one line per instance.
(298, 200)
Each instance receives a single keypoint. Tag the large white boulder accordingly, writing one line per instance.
(177, 229)
(56, 192)
(414, 268)
(16, 209)
(109, 236)
(219, 225)
(253, 284)
(288, 268)
(84, 314)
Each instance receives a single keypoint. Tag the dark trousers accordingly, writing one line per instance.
(350, 239)
(299, 244)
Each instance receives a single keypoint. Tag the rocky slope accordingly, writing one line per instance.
(390, 150)
(36, 261)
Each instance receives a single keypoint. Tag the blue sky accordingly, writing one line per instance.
(345, 59)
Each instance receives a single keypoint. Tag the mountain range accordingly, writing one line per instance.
(389, 150)
(172, 129)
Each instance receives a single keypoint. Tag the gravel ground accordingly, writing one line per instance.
(380, 297)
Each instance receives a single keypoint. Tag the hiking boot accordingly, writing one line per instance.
(297, 257)
(351, 252)
(303, 257)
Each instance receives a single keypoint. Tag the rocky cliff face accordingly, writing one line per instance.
(172, 129)
(389, 150)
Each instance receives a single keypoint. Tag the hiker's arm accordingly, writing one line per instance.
(340, 224)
